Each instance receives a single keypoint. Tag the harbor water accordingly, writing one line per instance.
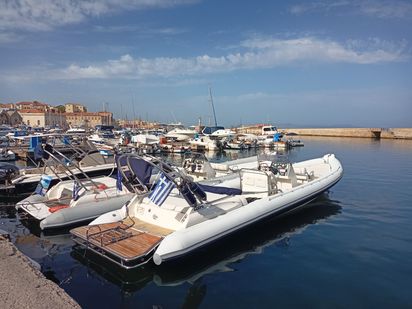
(351, 248)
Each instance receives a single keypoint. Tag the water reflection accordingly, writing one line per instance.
(219, 257)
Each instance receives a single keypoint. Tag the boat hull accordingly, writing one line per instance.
(87, 210)
(183, 242)
(74, 215)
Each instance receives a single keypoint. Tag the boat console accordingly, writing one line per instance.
(196, 164)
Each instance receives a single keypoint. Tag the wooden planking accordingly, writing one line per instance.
(134, 246)
(139, 243)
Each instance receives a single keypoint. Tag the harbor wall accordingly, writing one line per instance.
(387, 133)
(23, 286)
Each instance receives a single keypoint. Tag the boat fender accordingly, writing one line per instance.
(101, 186)
(57, 208)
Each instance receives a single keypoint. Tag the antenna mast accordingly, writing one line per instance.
(213, 106)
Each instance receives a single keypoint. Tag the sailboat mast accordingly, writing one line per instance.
(213, 106)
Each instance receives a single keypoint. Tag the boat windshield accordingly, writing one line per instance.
(210, 130)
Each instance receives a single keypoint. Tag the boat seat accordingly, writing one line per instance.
(288, 177)
(174, 202)
(232, 203)
(254, 182)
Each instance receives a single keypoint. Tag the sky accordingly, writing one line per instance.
(298, 63)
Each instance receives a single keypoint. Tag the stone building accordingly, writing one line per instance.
(88, 119)
(35, 105)
(14, 117)
(10, 117)
(8, 105)
(75, 108)
(41, 118)
(4, 117)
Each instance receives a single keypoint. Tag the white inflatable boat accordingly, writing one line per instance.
(76, 200)
(180, 216)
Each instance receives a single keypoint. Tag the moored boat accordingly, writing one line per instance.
(58, 166)
(77, 200)
(180, 216)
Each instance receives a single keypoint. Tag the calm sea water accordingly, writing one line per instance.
(352, 248)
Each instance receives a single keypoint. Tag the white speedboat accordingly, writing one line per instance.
(59, 207)
(271, 142)
(234, 144)
(204, 142)
(145, 139)
(77, 200)
(76, 130)
(103, 135)
(221, 133)
(180, 216)
(180, 134)
(105, 139)
(59, 167)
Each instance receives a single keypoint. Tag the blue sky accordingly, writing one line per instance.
(291, 63)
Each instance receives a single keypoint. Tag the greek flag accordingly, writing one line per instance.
(76, 190)
(161, 190)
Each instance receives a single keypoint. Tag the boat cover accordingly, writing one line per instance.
(135, 167)
(220, 190)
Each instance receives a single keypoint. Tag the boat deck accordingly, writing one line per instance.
(128, 243)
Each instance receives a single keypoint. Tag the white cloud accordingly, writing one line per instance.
(387, 9)
(376, 8)
(76, 72)
(42, 15)
(139, 30)
(260, 53)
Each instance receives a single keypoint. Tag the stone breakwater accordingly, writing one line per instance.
(384, 133)
(24, 286)
(391, 133)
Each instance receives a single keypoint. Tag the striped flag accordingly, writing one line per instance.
(161, 191)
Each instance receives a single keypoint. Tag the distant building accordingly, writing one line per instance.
(10, 117)
(14, 117)
(75, 108)
(4, 118)
(42, 118)
(88, 119)
(35, 105)
(8, 105)
(141, 124)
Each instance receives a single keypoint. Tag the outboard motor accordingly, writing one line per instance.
(8, 172)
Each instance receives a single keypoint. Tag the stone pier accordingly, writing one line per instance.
(384, 133)
(24, 286)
